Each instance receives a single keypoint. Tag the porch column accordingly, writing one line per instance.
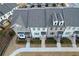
(58, 43)
(74, 41)
(28, 43)
(43, 42)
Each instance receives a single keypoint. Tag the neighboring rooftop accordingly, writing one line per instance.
(44, 17)
(39, 5)
(6, 7)
(72, 4)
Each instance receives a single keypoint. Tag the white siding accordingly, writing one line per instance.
(38, 30)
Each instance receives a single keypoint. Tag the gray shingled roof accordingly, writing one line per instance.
(3, 9)
(23, 15)
(36, 18)
(10, 5)
(42, 17)
(73, 4)
(71, 16)
(31, 18)
(6, 7)
(19, 21)
(0, 13)
(52, 11)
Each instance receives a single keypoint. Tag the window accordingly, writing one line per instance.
(36, 33)
(39, 5)
(61, 23)
(46, 5)
(43, 28)
(60, 32)
(77, 28)
(55, 22)
(27, 33)
(1, 18)
(4, 16)
(33, 28)
(55, 28)
(51, 28)
(54, 5)
(77, 32)
(51, 33)
(38, 28)
(32, 6)
(67, 33)
(43, 33)
(60, 28)
(62, 4)
(73, 28)
(69, 28)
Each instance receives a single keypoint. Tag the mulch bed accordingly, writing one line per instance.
(66, 42)
(50, 42)
(35, 42)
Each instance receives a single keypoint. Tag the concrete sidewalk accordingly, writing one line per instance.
(54, 49)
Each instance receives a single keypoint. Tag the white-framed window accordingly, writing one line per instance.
(68, 28)
(55, 22)
(38, 28)
(10, 12)
(0, 19)
(61, 28)
(67, 33)
(51, 28)
(43, 28)
(73, 28)
(36, 33)
(33, 28)
(14, 8)
(78, 28)
(61, 23)
(51, 33)
(4, 17)
(43, 33)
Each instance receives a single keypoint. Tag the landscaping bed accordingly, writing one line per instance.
(35, 42)
(77, 42)
(65, 42)
(50, 42)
